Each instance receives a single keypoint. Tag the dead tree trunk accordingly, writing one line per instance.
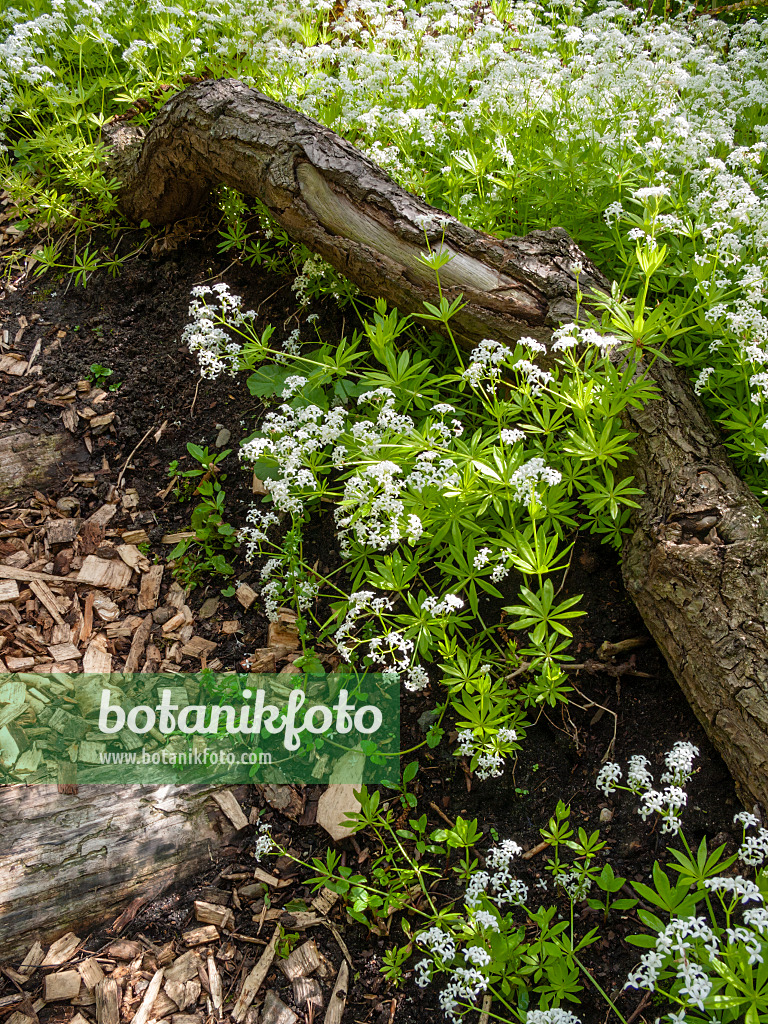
(71, 861)
(697, 563)
(326, 194)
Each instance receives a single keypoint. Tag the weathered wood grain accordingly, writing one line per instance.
(75, 861)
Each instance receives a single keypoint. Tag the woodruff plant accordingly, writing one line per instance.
(522, 945)
(450, 490)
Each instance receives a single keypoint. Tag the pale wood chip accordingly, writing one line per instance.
(131, 555)
(142, 1015)
(91, 973)
(64, 985)
(108, 997)
(64, 652)
(274, 1010)
(302, 961)
(97, 660)
(338, 999)
(43, 593)
(138, 645)
(9, 590)
(103, 572)
(102, 515)
(32, 960)
(245, 595)
(201, 936)
(212, 913)
(229, 805)
(255, 979)
(61, 950)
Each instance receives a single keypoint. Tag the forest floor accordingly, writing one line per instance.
(132, 325)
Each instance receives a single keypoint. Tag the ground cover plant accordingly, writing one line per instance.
(455, 481)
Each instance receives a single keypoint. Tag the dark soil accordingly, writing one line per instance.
(133, 326)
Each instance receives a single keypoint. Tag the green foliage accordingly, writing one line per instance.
(206, 553)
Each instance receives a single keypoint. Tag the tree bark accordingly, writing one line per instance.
(68, 862)
(696, 564)
(326, 194)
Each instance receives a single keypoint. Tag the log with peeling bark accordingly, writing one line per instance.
(696, 562)
(72, 861)
(326, 194)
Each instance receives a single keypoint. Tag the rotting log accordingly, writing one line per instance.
(341, 205)
(72, 861)
(35, 461)
(697, 562)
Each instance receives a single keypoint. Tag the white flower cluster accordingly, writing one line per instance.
(526, 476)
(669, 801)
(490, 759)
(555, 1015)
(754, 849)
(206, 336)
(263, 843)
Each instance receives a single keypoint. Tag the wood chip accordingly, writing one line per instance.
(105, 608)
(91, 973)
(43, 593)
(245, 595)
(61, 531)
(284, 632)
(302, 961)
(229, 805)
(142, 1015)
(124, 949)
(32, 960)
(275, 1011)
(103, 572)
(332, 809)
(140, 638)
(64, 985)
(198, 647)
(9, 590)
(102, 515)
(19, 664)
(324, 900)
(201, 936)
(255, 979)
(135, 536)
(65, 652)
(96, 660)
(131, 555)
(174, 538)
(338, 999)
(307, 991)
(108, 1001)
(212, 913)
(13, 743)
(214, 981)
(184, 968)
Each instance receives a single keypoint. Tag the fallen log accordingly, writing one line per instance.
(72, 861)
(696, 566)
(696, 562)
(341, 205)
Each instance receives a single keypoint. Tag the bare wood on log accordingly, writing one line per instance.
(326, 194)
(112, 840)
